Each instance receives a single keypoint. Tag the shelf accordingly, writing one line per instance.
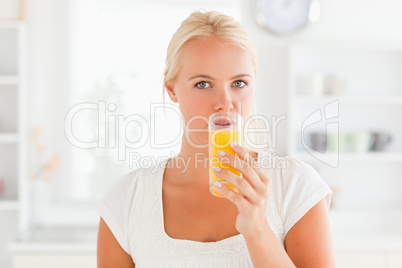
(8, 80)
(8, 138)
(355, 157)
(9, 205)
(350, 100)
(14, 125)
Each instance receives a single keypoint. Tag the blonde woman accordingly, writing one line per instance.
(165, 216)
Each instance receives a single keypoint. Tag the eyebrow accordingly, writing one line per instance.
(211, 78)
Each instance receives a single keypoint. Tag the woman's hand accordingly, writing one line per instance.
(253, 187)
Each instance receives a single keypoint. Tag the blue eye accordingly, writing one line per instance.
(202, 84)
(239, 83)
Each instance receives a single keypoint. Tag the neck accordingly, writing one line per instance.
(191, 164)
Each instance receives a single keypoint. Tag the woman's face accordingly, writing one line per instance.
(214, 76)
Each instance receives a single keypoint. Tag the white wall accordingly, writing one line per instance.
(340, 20)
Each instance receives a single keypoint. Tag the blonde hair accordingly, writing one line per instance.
(202, 25)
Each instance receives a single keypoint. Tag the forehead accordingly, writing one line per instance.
(215, 57)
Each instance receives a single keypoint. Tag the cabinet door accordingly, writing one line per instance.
(360, 259)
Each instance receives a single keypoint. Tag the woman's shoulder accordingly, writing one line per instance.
(288, 171)
(296, 169)
(284, 163)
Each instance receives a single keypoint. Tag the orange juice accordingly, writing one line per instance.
(220, 140)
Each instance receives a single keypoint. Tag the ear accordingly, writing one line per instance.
(170, 90)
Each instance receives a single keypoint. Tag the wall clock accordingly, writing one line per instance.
(286, 16)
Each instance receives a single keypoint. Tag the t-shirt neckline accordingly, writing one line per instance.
(228, 240)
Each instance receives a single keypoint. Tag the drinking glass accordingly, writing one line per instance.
(224, 127)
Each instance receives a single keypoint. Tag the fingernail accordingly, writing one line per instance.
(217, 169)
(218, 184)
(233, 143)
(221, 153)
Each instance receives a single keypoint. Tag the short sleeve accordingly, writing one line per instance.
(115, 207)
(301, 188)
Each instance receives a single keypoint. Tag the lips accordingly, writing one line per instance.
(223, 122)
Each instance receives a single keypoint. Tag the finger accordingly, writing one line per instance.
(242, 153)
(246, 156)
(234, 161)
(240, 183)
(235, 198)
(248, 172)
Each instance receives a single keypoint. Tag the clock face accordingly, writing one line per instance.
(283, 16)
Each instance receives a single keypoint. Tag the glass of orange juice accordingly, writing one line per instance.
(224, 127)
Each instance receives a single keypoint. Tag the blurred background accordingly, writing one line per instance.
(77, 78)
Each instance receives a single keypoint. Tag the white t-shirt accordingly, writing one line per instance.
(133, 210)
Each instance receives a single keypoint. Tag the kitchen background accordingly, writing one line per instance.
(334, 89)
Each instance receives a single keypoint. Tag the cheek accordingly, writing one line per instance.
(191, 102)
(192, 107)
(249, 98)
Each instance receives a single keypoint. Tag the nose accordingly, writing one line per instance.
(224, 101)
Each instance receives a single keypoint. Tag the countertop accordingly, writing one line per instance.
(373, 230)
(65, 239)
(367, 229)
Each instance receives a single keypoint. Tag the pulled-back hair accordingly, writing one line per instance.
(201, 25)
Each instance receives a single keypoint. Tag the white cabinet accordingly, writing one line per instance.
(13, 138)
(345, 92)
(365, 82)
